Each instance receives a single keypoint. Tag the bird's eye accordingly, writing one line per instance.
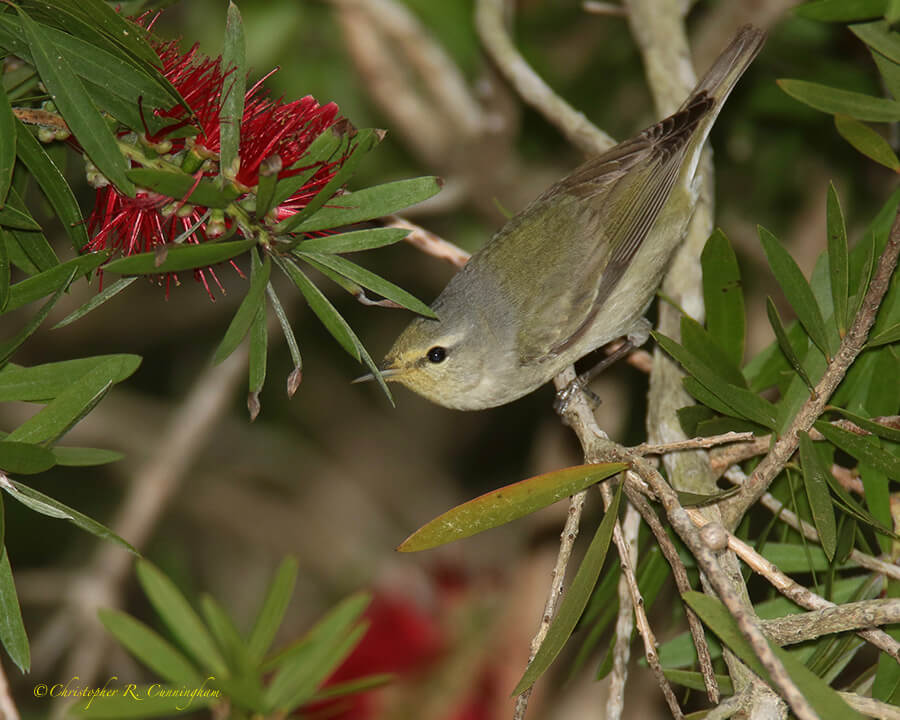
(437, 354)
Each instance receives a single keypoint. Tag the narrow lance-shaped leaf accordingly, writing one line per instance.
(109, 292)
(723, 296)
(745, 403)
(12, 629)
(21, 458)
(257, 364)
(841, 10)
(53, 184)
(48, 281)
(696, 339)
(324, 149)
(182, 257)
(509, 503)
(878, 36)
(5, 273)
(371, 203)
(575, 599)
(270, 615)
(838, 264)
(796, 289)
(179, 617)
(46, 505)
(7, 144)
(370, 281)
(784, 342)
(846, 102)
(84, 457)
(818, 495)
(81, 116)
(862, 449)
(181, 186)
(867, 141)
(149, 647)
(251, 304)
(353, 241)
(234, 61)
(286, 328)
(40, 383)
(73, 403)
(890, 73)
(885, 431)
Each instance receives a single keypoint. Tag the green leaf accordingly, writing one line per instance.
(360, 145)
(862, 449)
(745, 403)
(890, 73)
(251, 304)
(7, 144)
(723, 296)
(258, 348)
(368, 280)
(178, 616)
(270, 615)
(697, 340)
(506, 504)
(181, 186)
(16, 219)
(320, 152)
(886, 337)
(695, 681)
(19, 458)
(73, 403)
(109, 292)
(575, 598)
(5, 273)
(353, 687)
(53, 184)
(814, 479)
(846, 102)
(878, 36)
(838, 266)
(149, 647)
(54, 279)
(180, 257)
(824, 700)
(227, 637)
(12, 629)
(285, 328)
(373, 202)
(84, 457)
(353, 241)
(9, 347)
(41, 383)
(841, 10)
(46, 505)
(234, 61)
(867, 141)
(796, 289)
(303, 667)
(69, 95)
(784, 342)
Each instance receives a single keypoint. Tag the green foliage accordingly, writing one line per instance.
(212, 655)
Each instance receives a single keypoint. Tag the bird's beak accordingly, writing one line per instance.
(386, 371)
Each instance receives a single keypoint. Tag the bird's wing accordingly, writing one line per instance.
(603, 212)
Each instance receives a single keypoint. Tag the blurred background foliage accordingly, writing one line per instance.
(335, 475)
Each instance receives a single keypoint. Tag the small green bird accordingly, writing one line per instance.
(575, 269)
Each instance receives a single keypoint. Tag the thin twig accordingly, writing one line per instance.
(734, 507)
(692, 443)
(618, 676)
(679, 573)
(428, 242)
(871, 707)
(793, 590)
(566, 543)
(864, 614)
(577, 129)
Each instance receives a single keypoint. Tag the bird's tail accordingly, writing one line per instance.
(730, 65)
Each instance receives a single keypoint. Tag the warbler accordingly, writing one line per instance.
(575, 269)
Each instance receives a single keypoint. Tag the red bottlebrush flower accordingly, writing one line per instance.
(268, 128)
